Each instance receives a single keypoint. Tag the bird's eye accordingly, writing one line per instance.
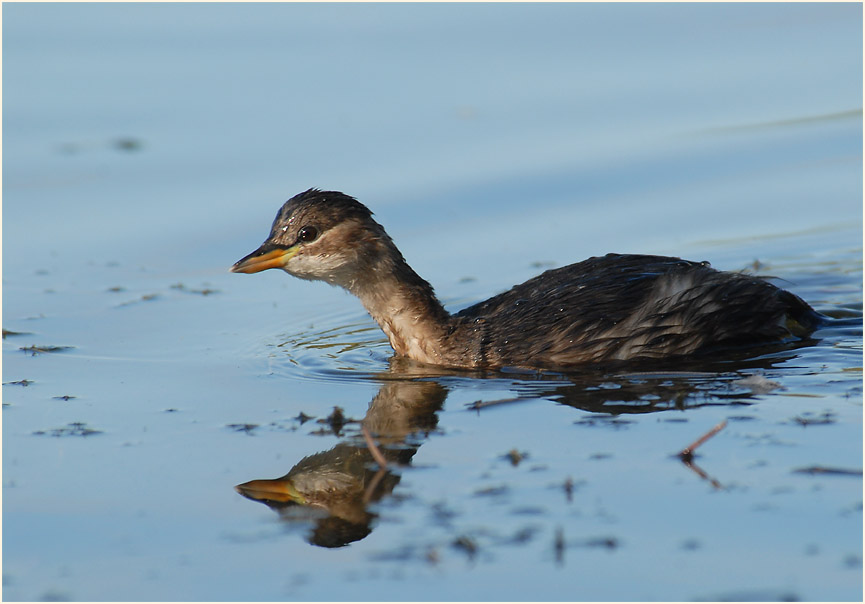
(307, 234)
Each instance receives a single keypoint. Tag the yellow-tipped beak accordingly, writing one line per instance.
(279, 489)
(265, 257)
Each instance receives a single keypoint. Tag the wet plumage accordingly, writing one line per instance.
(604, 309)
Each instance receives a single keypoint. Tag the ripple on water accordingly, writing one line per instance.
(349, 347)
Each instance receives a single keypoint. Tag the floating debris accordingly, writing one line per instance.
(7, 332)
(466, 544)
(690, 545)
(521, 536)
(245, 428)
(813, 470)
(73, 429)
(598, 456)
(127, 144)
(515, 457)
(34, 350)
(491, 491)
(432, 556)
(336, 420)
(559, 546)
(303, 418)
(758, 384)
(605, 542)
(604, 421)
(285, 425)
(143, 298)
(124, 144)
(687, 454)
(478, 405)
(805, 420)
(741, 418)
(116, 289)
(569, 489)
(752, 596)
(206, 291)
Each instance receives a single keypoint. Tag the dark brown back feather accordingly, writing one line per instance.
(625, 307)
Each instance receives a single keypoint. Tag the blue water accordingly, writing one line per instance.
(148, 146)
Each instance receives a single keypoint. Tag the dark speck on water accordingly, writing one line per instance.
(303, 417)
(515, 457)
(569, 489)
(143, 298)
(204, 291)
(494, 491)
(467, 545)
(809, 419)
(603, 542)
(248, 429)
(336, 420)
(124, 144)
(73, 429)
(128, 144)
(815, 470)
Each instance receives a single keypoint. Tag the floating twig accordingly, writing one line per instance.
(687, 454)
(478, 405)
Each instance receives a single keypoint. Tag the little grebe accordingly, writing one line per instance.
(614, 308)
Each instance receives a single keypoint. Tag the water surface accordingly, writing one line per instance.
(147, 147)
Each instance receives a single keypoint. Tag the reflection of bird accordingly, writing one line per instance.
(335, 480)
(616, 307)
(334, 488)
(329, 488)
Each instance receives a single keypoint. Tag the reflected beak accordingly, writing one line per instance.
(279, 489)
(265, 257)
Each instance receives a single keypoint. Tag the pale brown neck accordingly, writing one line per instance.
(404, 306)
